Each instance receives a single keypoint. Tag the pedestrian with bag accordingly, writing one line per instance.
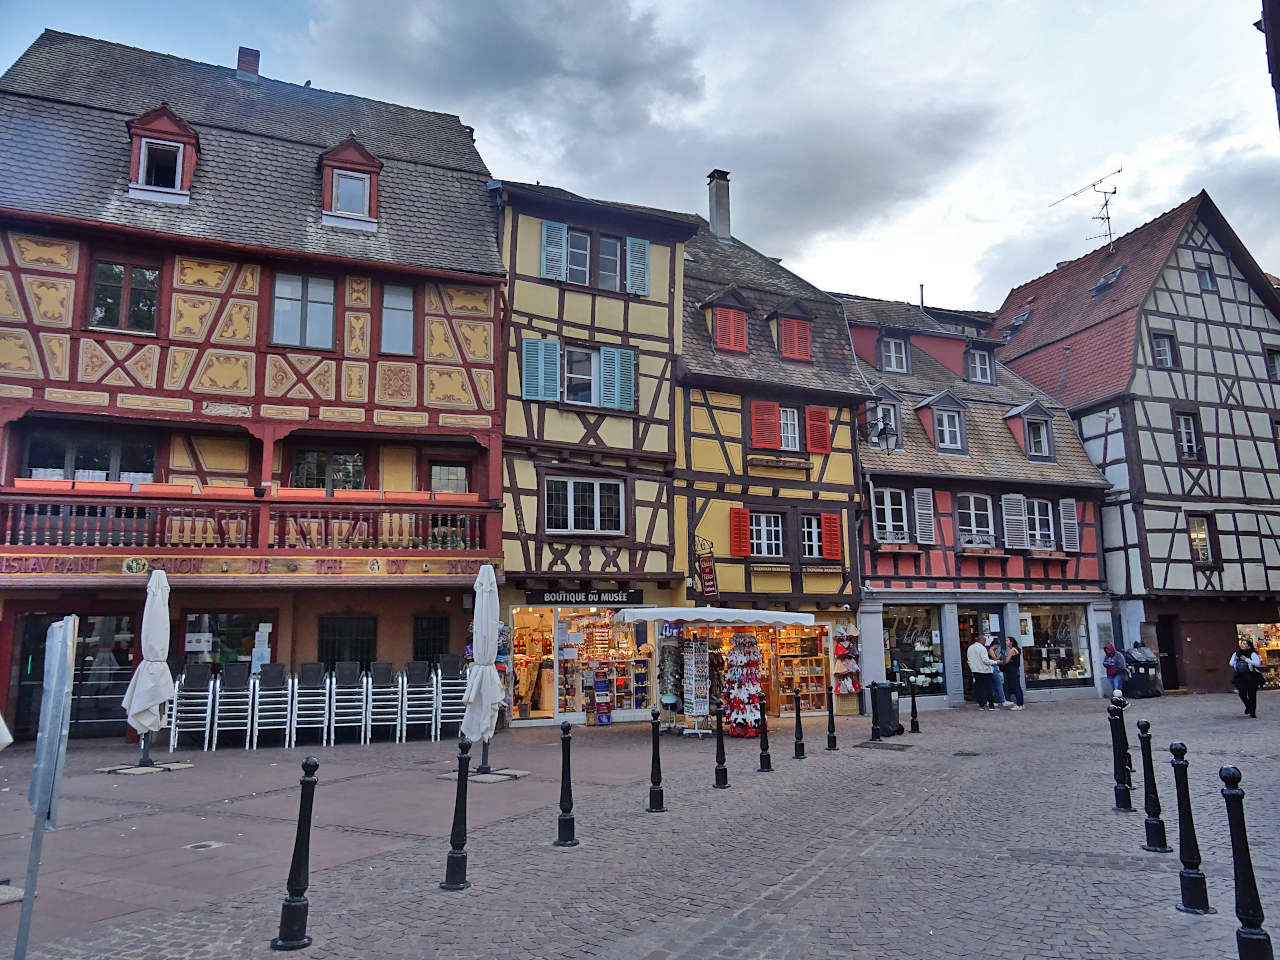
(1247, 675)
(997, 673)
(1117, 669)
(980, 665)
(1012, 669)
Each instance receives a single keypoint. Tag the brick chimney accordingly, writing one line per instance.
(718, 197)
(247, 64)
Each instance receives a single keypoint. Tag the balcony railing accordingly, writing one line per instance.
(132, 522)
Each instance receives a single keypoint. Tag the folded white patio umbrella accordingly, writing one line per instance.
(5, 737)
(484, 687)
(151, 686)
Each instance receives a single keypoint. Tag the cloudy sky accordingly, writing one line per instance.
(874, 145)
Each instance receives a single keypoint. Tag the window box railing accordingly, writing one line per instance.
(977, 540)
(891, 536)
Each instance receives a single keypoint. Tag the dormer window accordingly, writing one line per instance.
(1039, 440)
(163, 157)
(977, 366)
(947, 427)
(161, 163)
(882, 426)
(793, 338)
(1107, 282)
(893, 355)
(349, 187)
(731, 329)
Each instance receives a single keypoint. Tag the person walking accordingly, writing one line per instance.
(1012, 669)
(980, 664)
(1247, 667)
(997, 673)
(1117, 669)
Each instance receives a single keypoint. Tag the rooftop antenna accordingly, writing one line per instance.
(1104, 212)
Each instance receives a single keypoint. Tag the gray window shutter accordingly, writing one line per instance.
(550, 371)
(555, 240)
(1014, 508)
(531, 369)
(1070, 526)
(638, 266)
(925, 532)
(617, 378)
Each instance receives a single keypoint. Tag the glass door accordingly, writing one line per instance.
(975, 624)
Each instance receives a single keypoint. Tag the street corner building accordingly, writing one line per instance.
(592, 335)
(249, 335)
(767, 463)
(1164, 346)
(983, 511)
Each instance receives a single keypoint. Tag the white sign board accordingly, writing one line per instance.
(55, 719)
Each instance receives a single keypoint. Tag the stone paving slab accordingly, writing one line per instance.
(1010, 853)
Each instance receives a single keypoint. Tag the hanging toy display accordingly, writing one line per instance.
(742, 691)
(847, 677)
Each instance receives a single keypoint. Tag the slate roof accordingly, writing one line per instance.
(713, 264)
(994, 454)
(684, 223)
(63, 108)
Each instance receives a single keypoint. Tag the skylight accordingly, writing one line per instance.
(1108, 281)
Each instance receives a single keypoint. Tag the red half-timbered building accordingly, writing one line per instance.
(982, 513)
(249, 336)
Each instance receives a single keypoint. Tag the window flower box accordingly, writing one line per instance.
(166, 489)
(230, 493)
(105, 487)
(456, 497)
(41, 486)
(406, 496)
(302, 493)
(362, 495)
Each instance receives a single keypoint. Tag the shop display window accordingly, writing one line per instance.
(228, 638)
(1266, 637)
(913, 647)
(1055, 646)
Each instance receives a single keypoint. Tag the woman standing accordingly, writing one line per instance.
(1247, 667)
(1012, 669)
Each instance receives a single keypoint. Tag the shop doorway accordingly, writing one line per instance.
(975, 623)
(104, 662)
(1167, 646)
(348, 638)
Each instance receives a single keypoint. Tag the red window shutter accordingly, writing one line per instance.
(831, 547)
(739, 532)
(802, 339)
(766, 430)
(787, 336)
(817, 430)
(794, 338)
(731, 329)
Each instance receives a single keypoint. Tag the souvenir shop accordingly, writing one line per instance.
(1266, 637)
(743, 658)
(571, 659)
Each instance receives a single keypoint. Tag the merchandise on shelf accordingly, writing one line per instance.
(848, 677)
(742, 690)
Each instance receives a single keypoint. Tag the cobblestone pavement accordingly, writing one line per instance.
(987, 835)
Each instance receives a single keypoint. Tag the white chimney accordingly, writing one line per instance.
(718, 197)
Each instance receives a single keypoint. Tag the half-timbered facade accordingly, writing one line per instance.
(982, 513)
(767, 460)
(1165, 346)
(249, 336)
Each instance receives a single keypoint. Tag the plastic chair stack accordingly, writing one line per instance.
(310, 702)
(192, 710)
(233, 701)
(385, 699)
(453, 687)
(272, 701)
(348, 700)
(419, 704)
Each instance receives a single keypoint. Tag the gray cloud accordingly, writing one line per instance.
(1244, 183)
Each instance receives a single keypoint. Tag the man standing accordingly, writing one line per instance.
(981, 665)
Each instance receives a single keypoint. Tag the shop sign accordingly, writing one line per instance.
(545, 598)
(707, 574)
(275, 567)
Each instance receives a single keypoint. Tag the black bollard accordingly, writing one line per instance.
(831, 718)
(455, 868)
(766, 762)
(1195, 893)
(1252, 942)
(1156, 842)
(293, 914)
(915, 716)
(1123, 787)
(722, 772)
(1120, 703)
(656, 804)
(799, 727)
(565, 825)
(875, 711)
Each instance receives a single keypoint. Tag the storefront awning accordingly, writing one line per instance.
(744, 618)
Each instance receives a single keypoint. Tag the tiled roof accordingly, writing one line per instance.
(1094, 367)
(892, 313)
(1061, 302)
(711, 265)
(63, 108)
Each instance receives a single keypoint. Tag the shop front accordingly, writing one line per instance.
(1266, 637)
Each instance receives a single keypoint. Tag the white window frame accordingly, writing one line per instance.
(1208, 540)
(346, 220)
(974, 534)
(895, 360)
(1273, 364)
(594, 376)
(766, 535)
(811, 536)
(571, 483)
(174, 194)
(1040, 525)
(619, 266)
(568, 257)
(889, 515)
(305, 303)
(887, 414)
(1045, 436)
(397, 313)
(364, 179)
(972, 365)
(789, 428)
(1181, 436)
(1168, 362)
(942, 430)
(1204, 271)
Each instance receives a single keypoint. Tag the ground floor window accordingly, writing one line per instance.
(1055, 646)
(913, 647)
(227, 638)
(348, 638)
(430, 637)
(1266, 637)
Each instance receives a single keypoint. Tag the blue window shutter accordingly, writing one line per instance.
(531, 369)
(609, 377)
(626, 379)
(555, 238)
(550, 371)
(638, 266)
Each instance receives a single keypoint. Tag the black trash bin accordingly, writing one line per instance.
(1144, 672)
(886, 709)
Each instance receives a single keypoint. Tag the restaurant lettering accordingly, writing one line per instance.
(48, 565)
(273, 567)
(553, 597)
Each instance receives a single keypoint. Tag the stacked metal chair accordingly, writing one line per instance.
(385, 699)
(453, 687)
(310, 702)
(348, 700)
(419, 702)
(272, 701)
(232, 701)
(192, 710)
